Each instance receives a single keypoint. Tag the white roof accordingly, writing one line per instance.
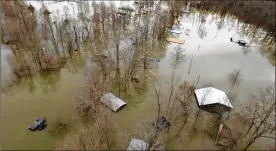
(210, 95)
(111, 101)
(175, 31)
(137, 144)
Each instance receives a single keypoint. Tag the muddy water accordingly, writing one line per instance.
(214, 57)
(213, 60)
(19, 108)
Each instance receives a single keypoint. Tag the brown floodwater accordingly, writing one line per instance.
(214, 58)
(20, 107)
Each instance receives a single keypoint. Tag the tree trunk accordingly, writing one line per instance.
(53, 36)
(118, 68)
(249, 144)
(248, 129)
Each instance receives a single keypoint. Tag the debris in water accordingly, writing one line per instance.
(162, 123)
(187, 32)
(136, 80)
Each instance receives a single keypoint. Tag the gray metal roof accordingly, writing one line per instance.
(111, 101)
(137, 144)
(210, 95)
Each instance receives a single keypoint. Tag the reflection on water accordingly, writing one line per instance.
(6, 71)
(202, 31)
(235, 77)
(212, 55)
(216, 57)
(217, 61)
(178, 55)
(20, 107)
(47, 93)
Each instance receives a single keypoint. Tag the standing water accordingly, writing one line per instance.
(208, 54)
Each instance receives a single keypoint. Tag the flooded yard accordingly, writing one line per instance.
(209, 57)
(215, 57)
(20, 108)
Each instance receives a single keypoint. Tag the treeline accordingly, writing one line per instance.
(256, 19)
(258, 13)
(34, 42)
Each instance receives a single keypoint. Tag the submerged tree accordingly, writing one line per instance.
(234, 77)
(178, 56)
(202, 32)
(260, 112)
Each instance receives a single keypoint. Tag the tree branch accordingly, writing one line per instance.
(271, 137)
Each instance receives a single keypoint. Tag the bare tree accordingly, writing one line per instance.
(146, 132)
(48, 24)
(190, 65)
(261, 114)
(185, 97)
(95, 136)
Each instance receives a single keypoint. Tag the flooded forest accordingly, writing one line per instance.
(137, 75)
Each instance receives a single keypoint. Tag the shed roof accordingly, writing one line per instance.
(137, 144)
(113, 102)
(210, 95)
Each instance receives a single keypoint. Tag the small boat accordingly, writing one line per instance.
(38, 124)
(175, 31)
(242, 42)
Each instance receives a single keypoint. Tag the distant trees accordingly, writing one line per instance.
(175, 11)
(255, 14)
(263, 11)
(255, 19)
(31, 40)
(122, 47)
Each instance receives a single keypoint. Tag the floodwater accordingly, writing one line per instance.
(214, 58)
(20, 107)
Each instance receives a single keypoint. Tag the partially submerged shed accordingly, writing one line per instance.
(137, 144)
(112, 101)
(212, 100)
